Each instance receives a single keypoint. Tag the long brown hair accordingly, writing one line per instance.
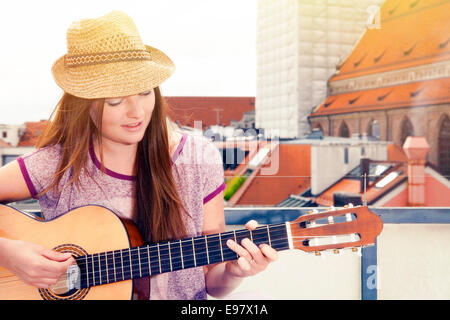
(157, 205)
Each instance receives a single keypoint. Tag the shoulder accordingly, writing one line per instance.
(46, 156)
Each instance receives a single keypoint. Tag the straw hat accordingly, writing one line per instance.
(107, 58)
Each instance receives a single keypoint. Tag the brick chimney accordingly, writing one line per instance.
(416, 149)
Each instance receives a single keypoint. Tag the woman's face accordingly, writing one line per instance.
(125, 119)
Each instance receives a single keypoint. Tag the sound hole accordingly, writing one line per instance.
(61, 290)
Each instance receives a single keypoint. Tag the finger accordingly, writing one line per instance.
(270, 253)
(43, 283)
(239, 250)
(244, 264)
(251, 225)
(254, 251)
(55, 255)
(56, 268)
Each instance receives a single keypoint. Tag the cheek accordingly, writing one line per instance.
(110, 120)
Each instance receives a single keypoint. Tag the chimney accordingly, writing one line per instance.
(416, 149)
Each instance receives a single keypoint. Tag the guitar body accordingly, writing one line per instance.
(85, 230)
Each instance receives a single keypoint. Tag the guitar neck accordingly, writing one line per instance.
(152, 259)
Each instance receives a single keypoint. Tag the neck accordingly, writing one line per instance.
(118, 157)
(156, 258)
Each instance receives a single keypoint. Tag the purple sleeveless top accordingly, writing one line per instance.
(198, 173)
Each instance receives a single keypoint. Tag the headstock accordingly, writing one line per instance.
(350, 227)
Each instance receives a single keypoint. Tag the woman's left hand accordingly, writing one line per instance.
(252, 259)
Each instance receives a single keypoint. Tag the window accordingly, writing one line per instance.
(344, 131)
(406, 131)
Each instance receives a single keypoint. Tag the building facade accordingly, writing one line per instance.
(395, 83)
(299, 45)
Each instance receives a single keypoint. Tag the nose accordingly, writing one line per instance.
(134, 108)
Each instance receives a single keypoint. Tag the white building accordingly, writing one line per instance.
(299, 45)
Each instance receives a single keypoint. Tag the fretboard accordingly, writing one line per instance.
(132, 263)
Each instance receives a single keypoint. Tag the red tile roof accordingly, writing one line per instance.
(411, 33)
(405, 95)
(353, 186)
(31, 134)
(186, 110)
(292, 177)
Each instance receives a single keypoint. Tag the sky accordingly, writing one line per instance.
(211, 42)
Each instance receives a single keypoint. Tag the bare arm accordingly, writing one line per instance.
(32, 263)
(12, 184)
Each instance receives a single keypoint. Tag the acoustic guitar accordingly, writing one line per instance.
(109, 251)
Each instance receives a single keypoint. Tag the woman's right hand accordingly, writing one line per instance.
(34, 264)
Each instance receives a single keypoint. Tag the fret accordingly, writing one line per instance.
(206, 249)
(94, 282)
(149, 263)
(260, 236)
(155, 267)
(139, 259)
(201, 257)
(278, 234)
(107, 267)
(135, 263)
(241, 235)
(187, 247)
(181, 255)
(170, 256)
(103, 266)
(251, 235)
(111, 266)
(121, 265)
(165, 257)
(118, 265)
(143, 260)
(127, 272)
(159, 259)
(99, 270)
(176, 255)
(221, 249)
(227, 253)
(193, 252)
(87, 270)
(268, 232)
(131, 264)
(214, 249)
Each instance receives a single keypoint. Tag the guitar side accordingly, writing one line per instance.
(90, 228)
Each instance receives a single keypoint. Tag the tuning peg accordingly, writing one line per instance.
(317, 253)
(358, 250)
(336, 251)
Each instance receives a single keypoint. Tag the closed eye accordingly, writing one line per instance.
(146, 93)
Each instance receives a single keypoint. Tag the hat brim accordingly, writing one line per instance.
(115, 79)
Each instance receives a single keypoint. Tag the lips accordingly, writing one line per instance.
(131, 126)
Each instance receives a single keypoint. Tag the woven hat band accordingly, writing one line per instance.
(71, 61)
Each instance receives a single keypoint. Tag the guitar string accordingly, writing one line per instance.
(63, 287)
(165, 255)
(236, 232)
